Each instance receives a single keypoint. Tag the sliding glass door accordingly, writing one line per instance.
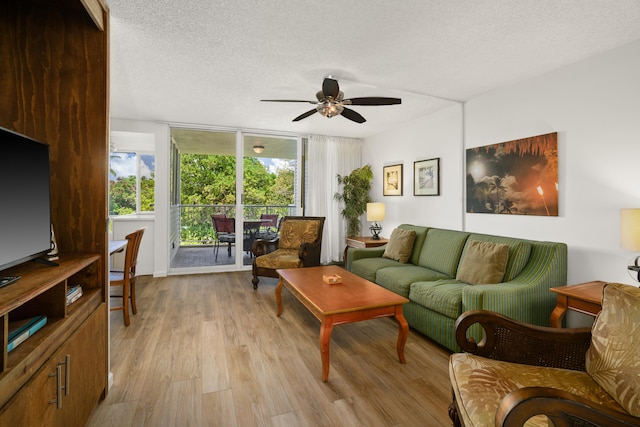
(228, 189)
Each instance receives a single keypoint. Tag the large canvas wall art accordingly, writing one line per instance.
(517, 177)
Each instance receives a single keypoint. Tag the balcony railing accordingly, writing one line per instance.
(196, 227)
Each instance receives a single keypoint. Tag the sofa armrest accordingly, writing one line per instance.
(518, 342)
(562, 408)
(527, 297)
(354, 254)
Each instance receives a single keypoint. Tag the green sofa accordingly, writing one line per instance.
(436, 298)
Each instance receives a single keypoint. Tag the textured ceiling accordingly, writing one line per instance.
(210, 62)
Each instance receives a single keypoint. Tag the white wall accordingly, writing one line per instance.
(437, 135)
(126, 224)
(594, 106)
(160, 229)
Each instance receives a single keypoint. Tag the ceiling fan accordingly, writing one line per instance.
(331, 102)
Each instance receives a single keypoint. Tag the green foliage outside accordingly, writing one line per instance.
(122, 195)
(211, 180)
(147, 192)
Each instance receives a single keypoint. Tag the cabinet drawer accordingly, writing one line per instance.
(79, 366)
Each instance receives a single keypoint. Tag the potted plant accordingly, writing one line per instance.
(355, 196)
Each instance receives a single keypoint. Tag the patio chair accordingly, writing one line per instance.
(225, 232)
(298, 245)
(268, 227)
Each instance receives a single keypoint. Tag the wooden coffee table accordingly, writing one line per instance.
(353, 300)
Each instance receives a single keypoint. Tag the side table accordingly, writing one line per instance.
(362, 242)
(584, 298)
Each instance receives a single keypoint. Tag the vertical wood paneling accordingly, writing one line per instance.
(54, 88)
(54, 80)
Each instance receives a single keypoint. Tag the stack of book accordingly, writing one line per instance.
(20, 330)
(73, 293)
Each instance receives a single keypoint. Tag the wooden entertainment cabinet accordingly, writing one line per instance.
(54, 83)
(54, 369)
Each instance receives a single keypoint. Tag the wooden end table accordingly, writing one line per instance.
(584, 298)
(363, 242)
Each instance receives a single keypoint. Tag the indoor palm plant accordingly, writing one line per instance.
(355, 196)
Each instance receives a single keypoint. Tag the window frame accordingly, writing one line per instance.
(138, 185)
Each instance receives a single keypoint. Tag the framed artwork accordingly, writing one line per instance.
(426, 177)
(392, 180)
(518, 177)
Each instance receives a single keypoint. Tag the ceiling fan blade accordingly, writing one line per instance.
(353, 116)
(305, 115)
(287, 100)
(330, 87)
(374, 100)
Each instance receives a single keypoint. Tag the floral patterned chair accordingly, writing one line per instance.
(521, 374)
(298, 245)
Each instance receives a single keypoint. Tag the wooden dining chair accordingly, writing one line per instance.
(127, 277)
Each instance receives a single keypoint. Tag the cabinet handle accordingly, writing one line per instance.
(67, 373)
(59, 386)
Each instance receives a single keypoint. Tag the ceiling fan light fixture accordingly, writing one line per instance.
(258, 149)
(330, 109)
(331, 102)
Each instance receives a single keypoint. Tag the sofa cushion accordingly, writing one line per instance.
(421, 234)
(441, 296)
(613, 359)
(442, 249)
(280, 258)
(400, 245)
(295, 232)
(399, 279)
(519, 252)
(479, 384)
(367, 267)
(483, 263)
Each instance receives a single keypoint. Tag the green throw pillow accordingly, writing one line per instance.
(483, 263)
(400, 245)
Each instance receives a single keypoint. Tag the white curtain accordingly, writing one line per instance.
(329, 156)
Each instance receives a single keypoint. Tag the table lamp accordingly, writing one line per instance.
(375, 213)
(630, 237)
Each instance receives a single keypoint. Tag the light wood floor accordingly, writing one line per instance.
(208, 350)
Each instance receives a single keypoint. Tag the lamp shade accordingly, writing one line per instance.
(630, 229)
(375, 211)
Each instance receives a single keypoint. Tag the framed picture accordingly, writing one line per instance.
(426, 177)
(392, 180)
(518, 177)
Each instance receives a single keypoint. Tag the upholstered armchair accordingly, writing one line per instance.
(298, 245)
(521, 374)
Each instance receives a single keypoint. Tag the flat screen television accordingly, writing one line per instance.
(25, 199)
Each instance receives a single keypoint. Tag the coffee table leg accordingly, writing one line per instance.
(326, 327)
(403, 333)
(279, 296)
